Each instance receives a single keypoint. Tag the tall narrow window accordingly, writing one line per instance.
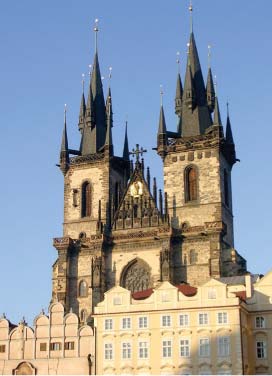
(193, 257)
(86, 208)
(226, 188)
(83, 289)
(190, 184)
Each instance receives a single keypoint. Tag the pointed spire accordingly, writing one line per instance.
(82, 108)
(196, 117)
(64, 151)
(108, 141)
(162, 131)
(179, 90)
(217, 116)
(126, 147)
(229, 136)
(210, 91)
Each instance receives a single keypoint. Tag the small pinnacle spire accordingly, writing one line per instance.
(210, 91)
(217, 116)
(82, 110)
(179, 91)
(108, 141)
(64, 151)
(126, 148)
(229, 136)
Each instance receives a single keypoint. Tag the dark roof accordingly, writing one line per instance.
(238, 279)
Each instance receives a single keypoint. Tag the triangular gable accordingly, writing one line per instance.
(137, 208)
(266, 280)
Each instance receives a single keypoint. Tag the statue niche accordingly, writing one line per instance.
(136, 276)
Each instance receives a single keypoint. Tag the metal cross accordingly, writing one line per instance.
(137, 152)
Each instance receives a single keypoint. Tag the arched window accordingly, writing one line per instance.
(136, 276)
(226, 187)
(86, 208)
(193, 257)
(83, 289)
(83, 315)
(191, 193)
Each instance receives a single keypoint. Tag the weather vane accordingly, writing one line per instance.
(137, 152)
(178, 61)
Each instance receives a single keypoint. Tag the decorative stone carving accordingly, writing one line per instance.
(136, 276)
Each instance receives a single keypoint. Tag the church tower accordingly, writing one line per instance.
(94, 181)
(198, 161)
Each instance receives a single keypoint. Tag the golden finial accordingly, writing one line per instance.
(161, 94)
(209, 55)
(178, 61)
(96, 30)
(90, 70)
(191, 15)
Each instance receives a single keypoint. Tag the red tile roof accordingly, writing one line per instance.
(241, 295)
(139, 295)
(185, 289)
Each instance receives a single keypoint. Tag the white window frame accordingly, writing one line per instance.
(143, 350)
(167, 345)
(186, 320)
(126, 350)
(208, 345)
(166, 323)
(144, 319)
(223, 346)
(259, 322)
(108, 351)
(124, 323)
(262, 348)
(224, 318)
(186, 346)
(108, 324)
(206, 320)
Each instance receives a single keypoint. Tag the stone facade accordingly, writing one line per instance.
(56, 345)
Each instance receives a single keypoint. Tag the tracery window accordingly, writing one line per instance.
(86, 201)
(191, 191)
(136, 276)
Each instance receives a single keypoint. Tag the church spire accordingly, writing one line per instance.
(108, 141)
(162, 131)
(126, 148)
(216, 116)
(229, 136)
(179, 90)
(64, 151)
(82, 110)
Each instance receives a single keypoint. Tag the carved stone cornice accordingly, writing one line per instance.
(87, 159)
(62, 243)
(138, 235)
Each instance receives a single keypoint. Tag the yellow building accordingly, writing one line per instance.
(219, 328)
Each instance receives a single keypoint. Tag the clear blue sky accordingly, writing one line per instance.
(47, 45)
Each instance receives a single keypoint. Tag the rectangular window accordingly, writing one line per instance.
(55, 346)
(203, 319)
(2, 348)
(143, 350)
(166, 349)
(166, 320)
(42, 346)
(126, 350)
(204, 347)
(69, 345)
(108, 324)
(261, 349)
(259, 322)
(184, 348)
(223, 347)
(184, 319)
(212, 293)
(117, 300)
(108, 351)
(222, 317)
(142, 323)
(126, 323)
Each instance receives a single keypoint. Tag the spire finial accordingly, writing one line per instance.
(161, 94)
(96, 30)
(228, 108)
(209, 55)
(90, 69)
(65, 112)
(110, 76)
(178, 61)
(83, 82)
(215, 85)
(191, 15)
